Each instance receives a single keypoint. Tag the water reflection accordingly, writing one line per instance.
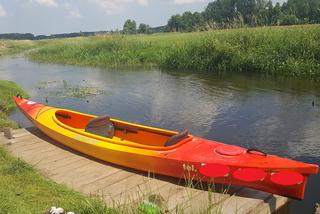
(270, 113)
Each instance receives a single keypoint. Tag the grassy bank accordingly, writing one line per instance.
(23, 190)
(7, 90)
(273, 50)
(9, 47)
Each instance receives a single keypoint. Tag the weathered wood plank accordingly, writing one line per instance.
(149, 186)
(97, 187)
(18, 133)
(241, 203)
(272, 204)
(56, 160)
(69, 171)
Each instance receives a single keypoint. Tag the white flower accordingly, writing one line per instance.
(55, 210)
(52, 209)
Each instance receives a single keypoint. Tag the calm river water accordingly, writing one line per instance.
(273, 114)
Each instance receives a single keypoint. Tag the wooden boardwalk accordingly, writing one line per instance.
(118, 186)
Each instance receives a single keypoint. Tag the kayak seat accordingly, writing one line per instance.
(101, 126)
(173, 140)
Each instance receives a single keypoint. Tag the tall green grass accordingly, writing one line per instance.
(7, 90)
(291, 51)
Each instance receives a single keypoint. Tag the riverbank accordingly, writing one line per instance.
(292, 51)
(7, 90)
(10, 47)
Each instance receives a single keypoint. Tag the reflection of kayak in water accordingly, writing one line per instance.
(169, 153)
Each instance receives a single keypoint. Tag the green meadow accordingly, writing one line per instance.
(292, 51)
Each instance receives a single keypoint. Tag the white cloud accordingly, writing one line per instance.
(72, 11)
(3, 12)
(48, 3)
(142, 2)
(75, 14)
(187, 1)
(116, 6)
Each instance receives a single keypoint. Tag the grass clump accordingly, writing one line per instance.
(23, 190)
(9, 47)
(7, 90)
(290, 51)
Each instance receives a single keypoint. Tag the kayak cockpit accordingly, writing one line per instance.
(121, 131)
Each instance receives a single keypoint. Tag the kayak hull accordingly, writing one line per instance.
(193, 158)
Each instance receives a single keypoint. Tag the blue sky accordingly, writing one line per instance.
(59, 16)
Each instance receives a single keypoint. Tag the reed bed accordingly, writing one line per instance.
(293, 51)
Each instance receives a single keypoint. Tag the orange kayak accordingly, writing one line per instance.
(169, 153)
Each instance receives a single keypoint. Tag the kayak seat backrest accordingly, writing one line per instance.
(176, 138)
(101, 126)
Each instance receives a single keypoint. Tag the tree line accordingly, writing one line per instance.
(30, 36)
(220, 14)
(239, 13)
(130, 27)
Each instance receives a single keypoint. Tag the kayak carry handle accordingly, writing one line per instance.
(253, 151)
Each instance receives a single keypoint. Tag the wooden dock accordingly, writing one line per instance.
(119, 186)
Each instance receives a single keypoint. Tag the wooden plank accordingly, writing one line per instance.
(69, 171)
(35, 158)
(3, 141)
(207, 200)
(123, 186)
(99, 185)
(94, 174)
(241, 203)
(144, 191)
(58, 159)
(193, 200)
(273, 204)
(17, 132)
(73, 176)
(140, 192)
(25, 147)
(148, 186)
(29, 154)
(27, 139)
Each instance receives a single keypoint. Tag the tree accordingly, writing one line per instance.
(237, 13)
(175, 23)
(289, 20)
(130, 27)
(220, 11)
(248, 10)
(314, 12)
(144, 29)
(276, 14)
